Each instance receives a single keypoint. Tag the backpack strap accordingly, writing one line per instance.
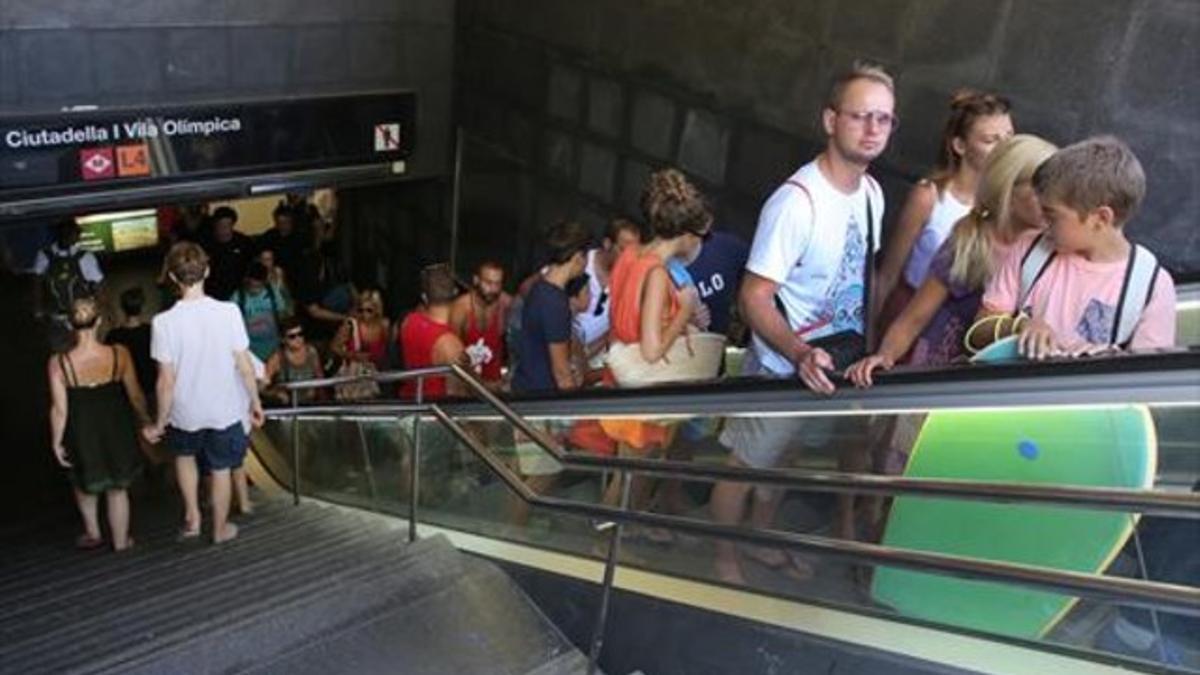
(868, 264)
(274, 304)
(1140, 275)
(1034, 264)
(812, 208)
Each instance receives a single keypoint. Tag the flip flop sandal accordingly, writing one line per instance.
(85, 543)
(185, 534)
(755, 554)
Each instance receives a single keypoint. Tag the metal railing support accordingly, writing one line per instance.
(295, 449)
(414, 471)
(610, 571)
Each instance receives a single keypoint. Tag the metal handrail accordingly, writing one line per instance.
(1145, 593)
(1174, 504)
(1149, 594)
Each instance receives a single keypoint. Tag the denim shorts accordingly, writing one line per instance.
(214, 449)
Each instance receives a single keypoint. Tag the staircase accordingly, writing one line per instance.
(308, 589)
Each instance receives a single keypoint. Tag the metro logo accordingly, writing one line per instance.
(97, 163)
(133, 160)
(387, 137)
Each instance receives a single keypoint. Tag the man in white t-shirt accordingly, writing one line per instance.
(205, 377)
(806, 286)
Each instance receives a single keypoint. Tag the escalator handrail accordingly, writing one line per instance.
(1149, 594)
(1150, 502)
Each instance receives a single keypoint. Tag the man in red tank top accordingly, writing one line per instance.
(426, 338)
(478, 318)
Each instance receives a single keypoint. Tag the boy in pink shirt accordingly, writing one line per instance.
(1081, 286)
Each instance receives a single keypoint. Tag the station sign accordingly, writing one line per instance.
(80, 151)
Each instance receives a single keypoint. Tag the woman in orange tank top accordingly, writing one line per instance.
(646, 308)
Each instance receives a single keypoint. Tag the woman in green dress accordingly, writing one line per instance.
(96, 404)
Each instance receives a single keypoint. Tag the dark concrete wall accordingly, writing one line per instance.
(572, 103)
(56, 53)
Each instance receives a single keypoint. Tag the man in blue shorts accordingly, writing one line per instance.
(205, 376)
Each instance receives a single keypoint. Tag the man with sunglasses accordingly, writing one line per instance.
(805, 294)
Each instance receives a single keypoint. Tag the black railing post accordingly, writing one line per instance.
(610, 570)
(414, 471)
(296, 450)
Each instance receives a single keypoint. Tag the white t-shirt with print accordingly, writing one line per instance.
(592, 324)
(814, 246)
(199, 339)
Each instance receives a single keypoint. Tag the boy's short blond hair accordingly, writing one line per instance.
(1100, 171)
(186, 263)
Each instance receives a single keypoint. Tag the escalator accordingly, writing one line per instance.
(507, 570)
(672, 612)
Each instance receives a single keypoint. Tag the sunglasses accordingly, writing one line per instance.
(294, 336)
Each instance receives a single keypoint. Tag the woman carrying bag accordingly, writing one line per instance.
(655, 326)
(362, 345)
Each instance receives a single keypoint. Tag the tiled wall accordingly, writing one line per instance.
(570, 104)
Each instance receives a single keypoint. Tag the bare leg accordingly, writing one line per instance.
(223, 530)
(762, 516)
(729, 507)
(540, 484)
(188, 478)
(854, 460)
(672, 497)
(241, 489)
(117, 502)
(88, 511)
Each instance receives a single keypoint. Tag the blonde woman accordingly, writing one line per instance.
(364, 336)
(95, 397)
(947, 301)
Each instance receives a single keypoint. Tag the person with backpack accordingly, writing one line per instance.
(934, 323)
(1081, 286)
(263, 309)
(68, 272)
(807, 295)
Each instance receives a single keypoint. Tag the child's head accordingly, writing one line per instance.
(1088, 188)
(1005, 204)
(132, 301)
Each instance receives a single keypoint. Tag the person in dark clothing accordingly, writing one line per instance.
(545, 336)
(717, 272)
(96, 404)
(134, 335)
(289, 245)
(229, 251)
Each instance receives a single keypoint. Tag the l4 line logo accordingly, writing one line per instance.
(105, 162)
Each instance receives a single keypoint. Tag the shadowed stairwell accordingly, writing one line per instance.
(308, 589)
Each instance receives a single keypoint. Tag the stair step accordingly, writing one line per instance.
(305, 589)
(85, 572)
(153, 600)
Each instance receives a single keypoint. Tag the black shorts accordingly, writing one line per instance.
(214, 449)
